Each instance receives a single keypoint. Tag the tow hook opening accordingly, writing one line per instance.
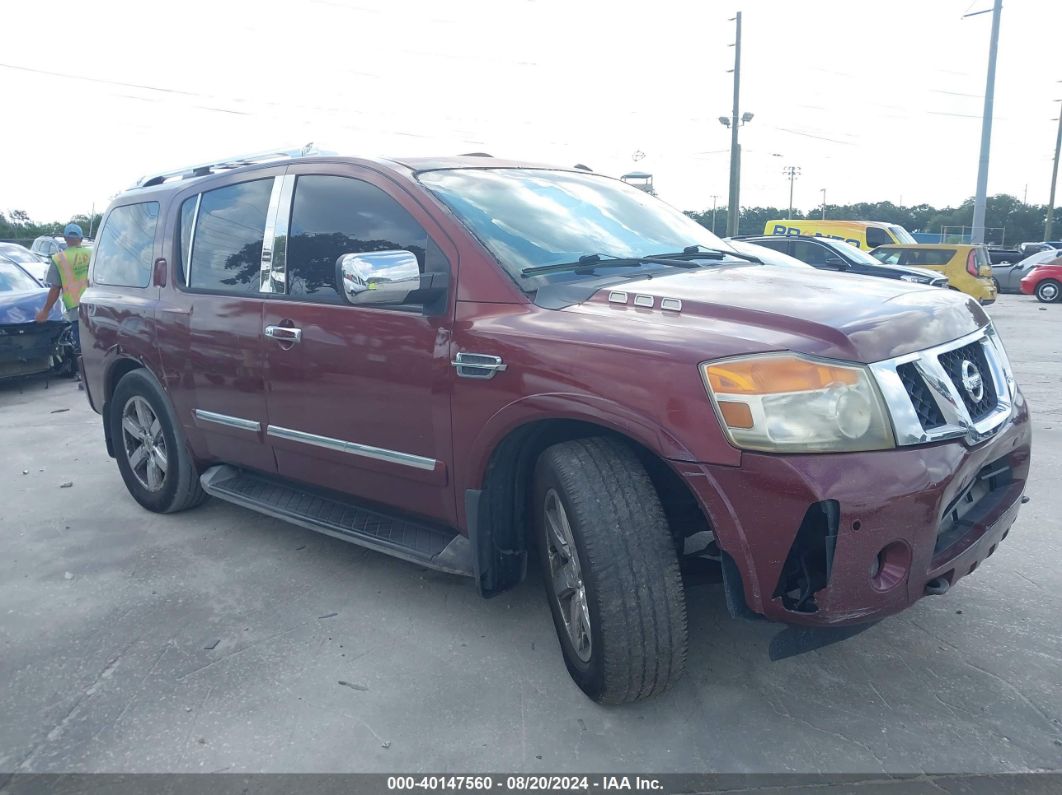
(809, 563)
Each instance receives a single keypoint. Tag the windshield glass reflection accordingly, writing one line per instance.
(534, 217)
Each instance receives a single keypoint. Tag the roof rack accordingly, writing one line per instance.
(202, 169)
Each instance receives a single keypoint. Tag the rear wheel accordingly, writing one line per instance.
(610, 569)
(1048, 291)
(154, 461)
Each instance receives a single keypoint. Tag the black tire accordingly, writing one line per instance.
(179, 488)
(1048, 291)
(995, 283)
(629, 570)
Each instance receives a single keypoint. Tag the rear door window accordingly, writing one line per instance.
(812, 253)
(125, 246)
(889, 256)
(936, 257)
(225, 245)
(778, 245)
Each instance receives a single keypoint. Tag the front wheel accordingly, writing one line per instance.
(154, 461)
(611, 571)
(1048, 291)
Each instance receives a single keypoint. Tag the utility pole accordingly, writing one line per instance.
(986, 130)
(715, 199)
(733, 212)
(823, 203)
(792, 172)
(1054, 179)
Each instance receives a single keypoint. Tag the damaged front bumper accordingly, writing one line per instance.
(833, 540)
(30, 348)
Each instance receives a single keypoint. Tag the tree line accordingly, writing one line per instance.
(18, 227)
(1008, 220)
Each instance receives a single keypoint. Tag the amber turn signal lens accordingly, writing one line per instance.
(772, 375)
(736, 415)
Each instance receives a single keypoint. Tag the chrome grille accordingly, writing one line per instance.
(952, 362)
(928, 400)
(929, 413)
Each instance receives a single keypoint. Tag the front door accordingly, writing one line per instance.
(359, 395)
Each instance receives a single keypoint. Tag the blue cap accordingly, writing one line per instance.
(72, 230)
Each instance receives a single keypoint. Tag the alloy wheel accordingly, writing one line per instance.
(566, 576)
(144, 443)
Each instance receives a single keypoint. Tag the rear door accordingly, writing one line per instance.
(210, 325)
(359, 395)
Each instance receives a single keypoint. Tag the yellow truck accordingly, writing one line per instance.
(861, 234)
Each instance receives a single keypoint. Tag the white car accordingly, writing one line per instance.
(36, 267)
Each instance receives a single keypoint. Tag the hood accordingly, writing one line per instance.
(22, 307)
(750, 308)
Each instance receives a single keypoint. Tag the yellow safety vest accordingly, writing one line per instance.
(73, 266)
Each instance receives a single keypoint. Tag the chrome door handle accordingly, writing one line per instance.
(478, 365)
(284, 333)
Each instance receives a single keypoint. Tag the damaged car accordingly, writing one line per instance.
(26, 346)
(471, 363)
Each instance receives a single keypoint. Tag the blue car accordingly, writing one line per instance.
(26, 346)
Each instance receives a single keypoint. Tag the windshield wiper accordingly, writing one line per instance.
(589, 262)
(703, 252)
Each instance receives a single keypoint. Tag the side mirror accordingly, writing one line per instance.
(836, 263)
(387, 278)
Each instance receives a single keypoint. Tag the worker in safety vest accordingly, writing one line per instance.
(68, 276)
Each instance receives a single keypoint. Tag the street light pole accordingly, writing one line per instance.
(1054, 179)
(792, 172)
(823, 203)
(715, 199)
(733, 211)
(981, 197)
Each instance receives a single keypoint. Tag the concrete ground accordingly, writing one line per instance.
(219, 640)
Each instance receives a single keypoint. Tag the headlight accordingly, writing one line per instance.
(916, 279)
(789, 403)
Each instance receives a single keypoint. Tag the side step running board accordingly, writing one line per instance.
(338, 516)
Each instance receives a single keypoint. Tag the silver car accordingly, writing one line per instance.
(1008, 276)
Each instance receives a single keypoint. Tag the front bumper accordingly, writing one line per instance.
(905, 500)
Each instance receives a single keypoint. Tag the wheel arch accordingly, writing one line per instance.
(116, 370)
(498, 511)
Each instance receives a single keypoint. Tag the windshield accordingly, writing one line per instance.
(901, 234)
(1038, 258)
(854, 254)
(533, 217)
(15, 280)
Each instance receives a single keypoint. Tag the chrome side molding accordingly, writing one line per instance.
(343, 446)
(229, 422)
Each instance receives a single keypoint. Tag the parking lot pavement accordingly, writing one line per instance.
(221, 640)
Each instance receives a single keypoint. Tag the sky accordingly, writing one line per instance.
(873, 101)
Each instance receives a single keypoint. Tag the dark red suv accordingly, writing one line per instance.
(465, 361)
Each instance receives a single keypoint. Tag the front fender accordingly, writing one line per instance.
(596, 410)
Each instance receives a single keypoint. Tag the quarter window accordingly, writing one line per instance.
(226, 244)
(124, 248)
(332, 216)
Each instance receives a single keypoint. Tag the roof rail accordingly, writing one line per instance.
(202, 169)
